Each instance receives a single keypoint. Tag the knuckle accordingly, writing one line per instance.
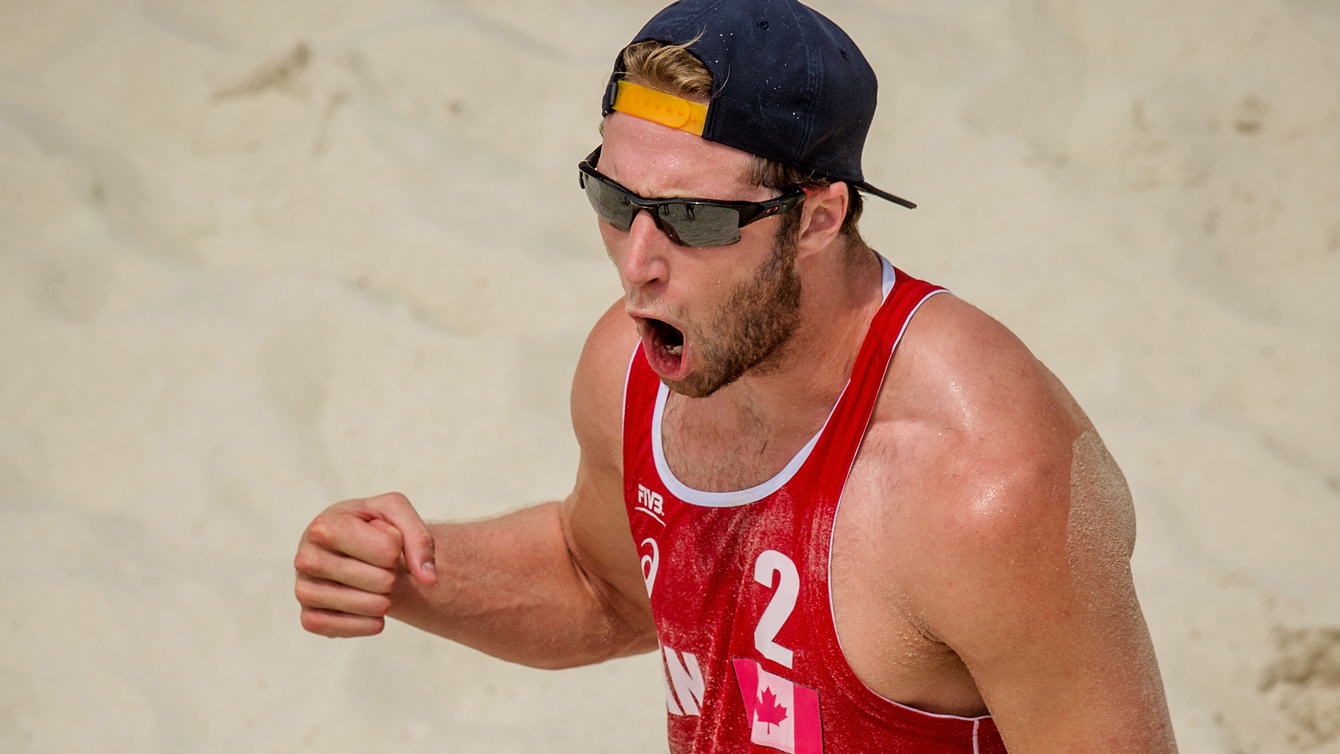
(422, 538)
(380, 606)
(387, 556)
(303, 592)
(313, 622)
(384, 582)
(305, 562)
(319, 532)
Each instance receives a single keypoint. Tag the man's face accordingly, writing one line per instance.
(706, 315)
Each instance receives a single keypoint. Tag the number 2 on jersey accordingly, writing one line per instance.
(779, 607)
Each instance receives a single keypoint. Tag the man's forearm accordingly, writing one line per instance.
(510, 587)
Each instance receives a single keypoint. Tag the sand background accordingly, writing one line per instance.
(254, 260)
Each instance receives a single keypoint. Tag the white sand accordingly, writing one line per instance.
(247, 269)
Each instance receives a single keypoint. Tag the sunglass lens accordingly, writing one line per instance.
(701, 224)
(609, 203)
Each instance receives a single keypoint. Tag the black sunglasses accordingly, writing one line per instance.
(687, 222)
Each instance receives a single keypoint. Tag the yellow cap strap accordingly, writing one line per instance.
(659, 107)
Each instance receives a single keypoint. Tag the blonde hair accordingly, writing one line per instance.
(674, 70)
(669, 68)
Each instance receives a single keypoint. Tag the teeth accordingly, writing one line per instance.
(675, 350)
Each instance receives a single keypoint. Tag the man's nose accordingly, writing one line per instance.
(644, 262)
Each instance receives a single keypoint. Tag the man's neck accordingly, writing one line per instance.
(794, 393)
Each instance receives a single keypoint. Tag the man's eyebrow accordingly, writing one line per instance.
(654, 197)
(736, 193)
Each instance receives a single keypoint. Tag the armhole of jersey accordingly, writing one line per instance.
(832, 615)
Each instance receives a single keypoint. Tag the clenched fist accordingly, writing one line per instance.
(348, 560)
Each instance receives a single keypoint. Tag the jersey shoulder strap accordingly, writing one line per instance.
(851, 416)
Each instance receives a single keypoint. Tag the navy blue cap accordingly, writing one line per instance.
(787, 83)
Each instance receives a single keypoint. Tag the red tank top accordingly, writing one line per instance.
(739, 585)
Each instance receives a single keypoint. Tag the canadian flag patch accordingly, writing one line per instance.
(781, 714)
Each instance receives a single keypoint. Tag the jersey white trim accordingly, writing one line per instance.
(890, 277)
(721, 499)
(757, 492)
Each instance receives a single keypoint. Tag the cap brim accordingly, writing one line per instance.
(867, 188)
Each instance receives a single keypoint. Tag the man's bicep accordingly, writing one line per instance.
(1080, 676)
(1045, 616)
(596, 527)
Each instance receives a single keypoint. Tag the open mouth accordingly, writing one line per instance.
(664, 346)
(669, 336)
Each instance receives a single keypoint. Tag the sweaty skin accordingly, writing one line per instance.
(981, 550)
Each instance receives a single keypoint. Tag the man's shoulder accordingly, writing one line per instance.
(598, 384)
(962, 372)
(975, 436)
(1002, 529)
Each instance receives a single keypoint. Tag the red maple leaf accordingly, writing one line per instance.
(768, 710)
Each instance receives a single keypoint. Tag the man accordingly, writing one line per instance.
(765, 477)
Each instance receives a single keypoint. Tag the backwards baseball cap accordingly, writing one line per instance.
(787, 85)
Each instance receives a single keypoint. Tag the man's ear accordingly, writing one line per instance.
(824, 209)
